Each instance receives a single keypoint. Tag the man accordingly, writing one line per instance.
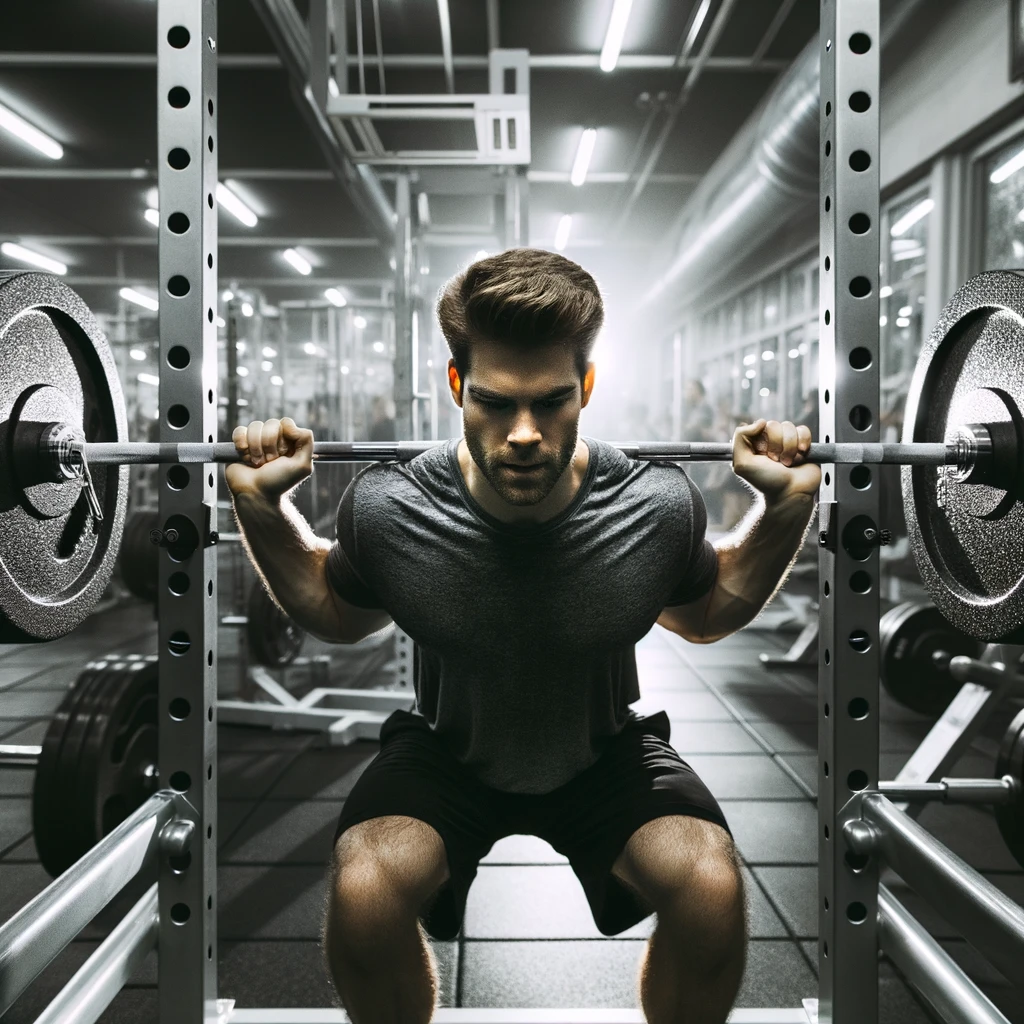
(526, 562)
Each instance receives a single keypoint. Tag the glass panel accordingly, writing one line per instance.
(748, 379)
(770, 292)
(793, 356)
(796, 291)
(1003, 203)
(750, 311)
(732, 320)
(768, 390)
(902, 295)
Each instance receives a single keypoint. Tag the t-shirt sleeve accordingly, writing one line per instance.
(702, 565)
(343, 572)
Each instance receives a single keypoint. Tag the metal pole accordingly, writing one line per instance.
(84, 998)
(986, 917)
(403, 382)
(187, 110)
(848, 674)
(38, 932)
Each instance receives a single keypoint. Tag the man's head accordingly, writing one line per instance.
(520, 326)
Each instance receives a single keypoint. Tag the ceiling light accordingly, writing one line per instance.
(277, 381)
(247, 309)
(235, 206)
(885, 291)
(266, 366)
(335, 297)
(332, 86)
(764, 392)
(220, 321)
(131, 295)
(138, 355)
(369, 371)
(1014, 164)
(227, 295)
(240, 346)
(911, 217)
(148, 378)
(902, 321)
(745, 383)
(378, 346)
(242, 371)
(23, 255)
(300, 263)
(584, 152)
(153, 217)
(613, 37)
(767, 355)
(749, 359)
(882, 321)
(562, 233)
(345, 371)
(906, 310)
(423, 209)
(28, 133)
(794, 353)
(360, 322)
(802, 348)
(392, 264)
(268, 352)
(750, 374)
(309, 348)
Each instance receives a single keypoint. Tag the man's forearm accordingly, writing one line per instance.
(290, 557)
(753, 562)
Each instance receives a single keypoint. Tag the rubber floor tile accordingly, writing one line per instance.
(774, 832)
(744, 777)
(284, 902)
(15, 821)
(324, 774)
(279, 832)
(712, 738)
(794, 892)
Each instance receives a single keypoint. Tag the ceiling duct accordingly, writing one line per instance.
(766, 175)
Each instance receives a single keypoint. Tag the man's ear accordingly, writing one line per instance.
(455, 383)
(588, 384)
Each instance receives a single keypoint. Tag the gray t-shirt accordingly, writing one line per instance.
(524, 634)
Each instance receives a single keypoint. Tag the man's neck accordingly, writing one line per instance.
(556, 502)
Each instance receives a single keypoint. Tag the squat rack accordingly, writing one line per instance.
(176, 830)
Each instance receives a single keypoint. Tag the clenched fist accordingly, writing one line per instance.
(769, 455)
(277, 456)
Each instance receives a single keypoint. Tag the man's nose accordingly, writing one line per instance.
(524, 431)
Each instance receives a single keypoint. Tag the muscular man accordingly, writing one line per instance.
(526, 562)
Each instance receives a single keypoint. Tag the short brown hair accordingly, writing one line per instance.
(527, 297)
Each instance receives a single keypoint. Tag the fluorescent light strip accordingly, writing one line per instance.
(29, 134)
(300, 263)
(235, 206)
(1012, 166)
(613, 38)
(152, 216)
(335, 297)
(148, 378)
(131, 295)
(911, 217)
(23, 255)
(562, 233)
(584, 152)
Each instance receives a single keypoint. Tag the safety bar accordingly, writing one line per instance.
(84, 998)
(38, 932)
(929, 968)
(954, 791)
(986, 917)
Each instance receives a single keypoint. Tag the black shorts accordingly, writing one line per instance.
(588, 820)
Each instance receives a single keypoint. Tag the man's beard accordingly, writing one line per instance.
(528, 489)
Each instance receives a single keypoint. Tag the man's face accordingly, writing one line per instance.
(520, 415)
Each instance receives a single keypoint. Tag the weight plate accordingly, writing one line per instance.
(966, 537)
(274, 639)
(53, 790)
(139, 559)
(909, 635)
(118, 757)
(1011, 762)
(54, 560)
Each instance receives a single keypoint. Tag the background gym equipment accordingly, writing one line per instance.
(64, 416)
(274, 639)
(138, 557)
(1010, 762)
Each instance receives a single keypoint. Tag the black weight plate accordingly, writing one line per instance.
(909, 635)
(1011, 762)
(139, 559)
(966, 538)
(119, 754)
(274, 639)
(53, 790)
(56, 364)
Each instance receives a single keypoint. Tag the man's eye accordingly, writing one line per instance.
(554, 403)
(490, 404)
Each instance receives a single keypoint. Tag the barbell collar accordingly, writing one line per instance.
(114, 453)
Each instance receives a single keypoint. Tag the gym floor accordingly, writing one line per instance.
(528, 939)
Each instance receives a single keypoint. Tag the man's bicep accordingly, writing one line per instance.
(688, 620)
(355, 622)
(358, 607)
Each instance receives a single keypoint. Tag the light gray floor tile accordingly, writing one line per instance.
(793, 890)
(34, 704)
(16, 781)
(774, 832)
(15, 821)
(30, 734)
(712, 738)
(744, 777)
(692, 706)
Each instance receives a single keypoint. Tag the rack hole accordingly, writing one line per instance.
(178, 478)
(860, 223)
(828, 479)
(209, 588)
(860, 582)
(826, 589)
(828, 656)
(860, 417)
(209, 200)
(828, 149)
(178, 223)
(824, 767)
(179, 643)
(209, 661)
(826, 402)
(826, 709)
(209, 315)
(178, 36)
(856, 912)
(858, 708)
(826, 832)
(178, 158)
(178, 97)
(828, 203)
(180, 913)
(209, 260)
(828, 109)
(860, 477)
(860, 160)
(178, 286)
(860, 42)
(209, 772)
(860, 287)
(209, 831)
(209, 143)
(859, 102)
(859, 640)
(177, 416)
(209, 713)
(209, 903)
(178, 583)
(179, 709)
(828, 264)
(181, 782)
(178, 357)
(209, 107)
(857, 780)
(860, 358)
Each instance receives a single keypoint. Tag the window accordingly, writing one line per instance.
(1003, 206)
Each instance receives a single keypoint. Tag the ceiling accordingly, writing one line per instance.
(85, 74)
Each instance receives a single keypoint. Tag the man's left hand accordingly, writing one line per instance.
(769, 455)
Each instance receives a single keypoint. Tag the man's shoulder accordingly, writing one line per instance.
(428, 471)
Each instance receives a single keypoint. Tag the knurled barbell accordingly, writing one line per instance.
(64, 454)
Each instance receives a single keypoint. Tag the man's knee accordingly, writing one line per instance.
(383, 872)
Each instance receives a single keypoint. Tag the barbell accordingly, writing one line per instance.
(64, 457)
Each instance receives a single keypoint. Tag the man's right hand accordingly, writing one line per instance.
(276, 456)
